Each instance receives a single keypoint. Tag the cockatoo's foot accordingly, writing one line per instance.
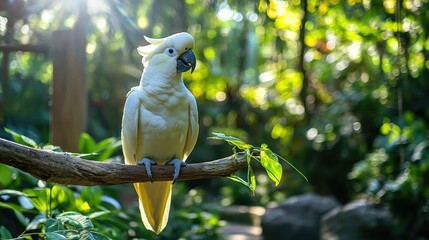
(177, 164)
(147, 163)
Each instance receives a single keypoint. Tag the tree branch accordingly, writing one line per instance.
(66, 169)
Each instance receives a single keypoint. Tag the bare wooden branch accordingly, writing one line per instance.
(66, 169)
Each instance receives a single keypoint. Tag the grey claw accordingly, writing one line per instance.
(147, 163)
(177, 164)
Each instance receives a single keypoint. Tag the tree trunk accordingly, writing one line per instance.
(69, 95)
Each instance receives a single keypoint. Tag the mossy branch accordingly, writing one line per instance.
(64, 168)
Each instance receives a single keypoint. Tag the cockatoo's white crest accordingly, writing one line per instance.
(180, 41)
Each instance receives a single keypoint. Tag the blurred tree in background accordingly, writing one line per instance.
(340, 88)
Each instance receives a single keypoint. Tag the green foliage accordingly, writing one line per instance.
(21, 139)
(100, 151)
(4, 233)
(88, 148)
(71, 225)
(268, 160)
(63, 213)
(401, 184)
(46, 203)
(57, 212)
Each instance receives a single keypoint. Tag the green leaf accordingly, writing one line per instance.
(4, 233)
(13, 207)
(236, 178)
(62, 197)
(271, 164)
(87, 235)
(234, 151)
(105, 144)
(231, 140)
(98, 214)
(21, 139)
(251, 179)
(63, 234)
(107, 147)
(100, 151)
(92, 195)
(86, 143)
(75, 220)
(39, 198)
(221, 136)
(248, 156)
(38, 220)
(72, 234)
(53, 225)
(55, 236)
(12, 192)
(6, 175)
(21, 218)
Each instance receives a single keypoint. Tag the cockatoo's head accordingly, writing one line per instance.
(172, 54)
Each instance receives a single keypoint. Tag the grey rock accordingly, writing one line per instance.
(357, 220)
(297, 217)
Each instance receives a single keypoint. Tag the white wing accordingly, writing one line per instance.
(193, 127)
(130, 127)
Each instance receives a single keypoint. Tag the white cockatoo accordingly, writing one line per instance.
(160, 121)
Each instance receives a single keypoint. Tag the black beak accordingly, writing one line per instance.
(186, 61)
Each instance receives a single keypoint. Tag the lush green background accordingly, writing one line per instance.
(340, 98)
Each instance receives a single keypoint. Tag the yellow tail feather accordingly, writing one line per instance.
(154, 204)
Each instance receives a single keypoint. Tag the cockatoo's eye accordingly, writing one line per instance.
(171, 52)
